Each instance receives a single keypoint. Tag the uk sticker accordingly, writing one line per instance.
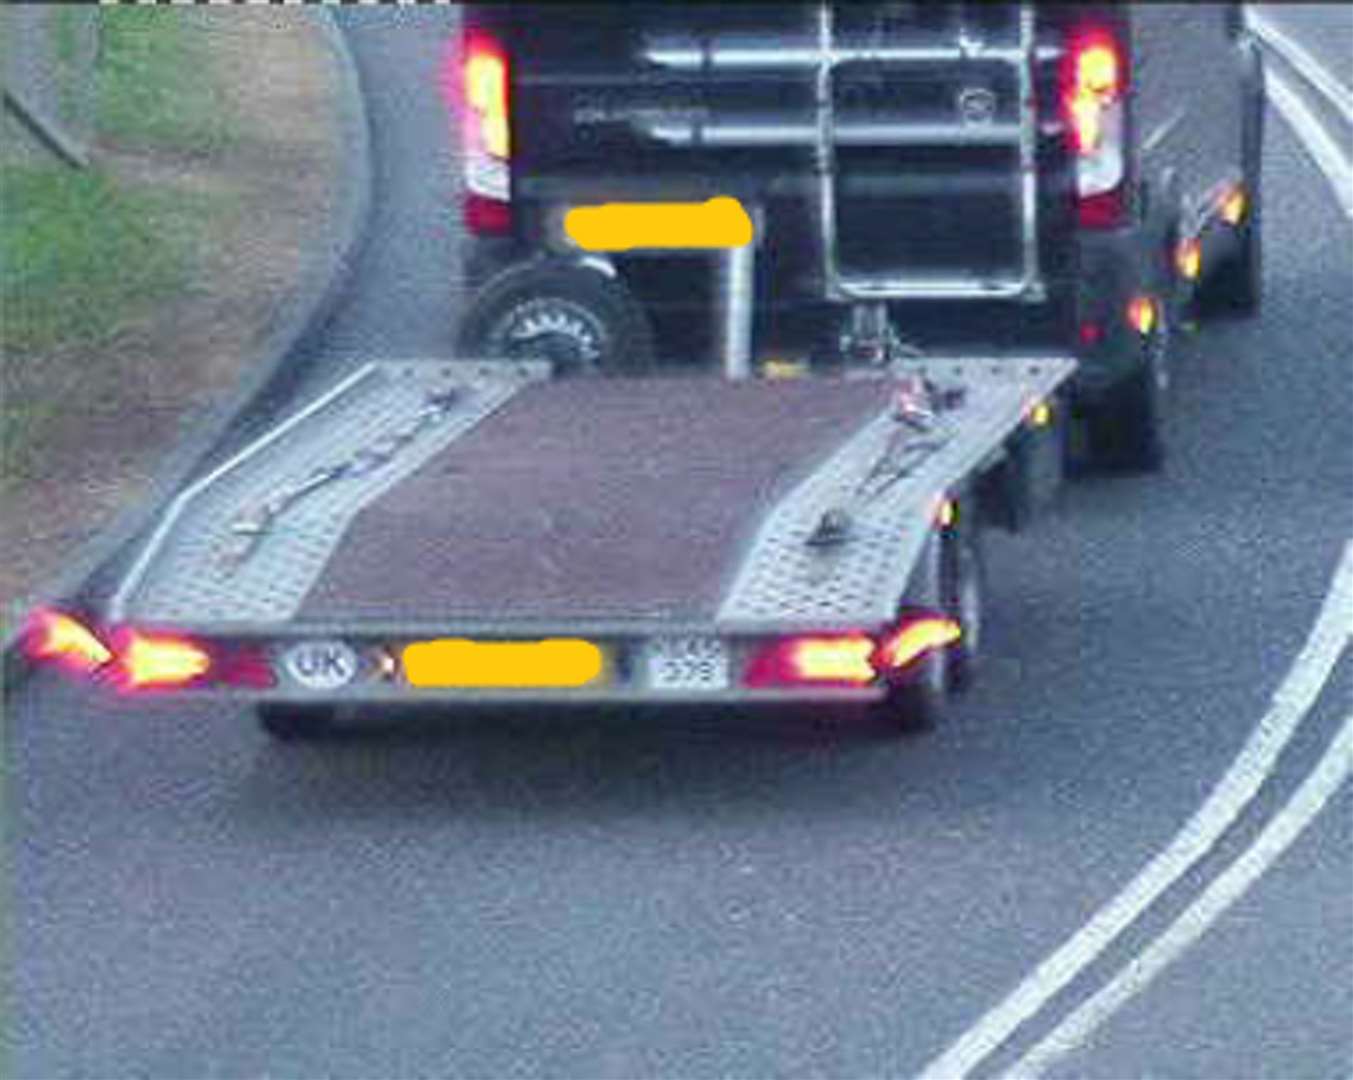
(321, 665)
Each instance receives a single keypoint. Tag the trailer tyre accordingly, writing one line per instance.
(577, 317)
(296, 723)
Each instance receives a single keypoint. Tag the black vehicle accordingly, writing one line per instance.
(997, 178)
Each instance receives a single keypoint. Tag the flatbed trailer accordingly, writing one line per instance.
(477, 532)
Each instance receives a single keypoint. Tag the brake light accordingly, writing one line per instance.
(148, 661)
(815, 660)
(483, 102)
(56, 638)
(485, 84)
(1093, 93)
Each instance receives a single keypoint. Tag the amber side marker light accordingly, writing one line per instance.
(53, 637)
(1040, 415)
(1233, 206)
(1188, 258)
(914, 640)
(1141, 314)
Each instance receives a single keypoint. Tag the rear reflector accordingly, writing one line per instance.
(458, 662)
(484, 215)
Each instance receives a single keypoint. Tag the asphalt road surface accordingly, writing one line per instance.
(624, 896)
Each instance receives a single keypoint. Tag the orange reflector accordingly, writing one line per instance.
(716, 223)
(916, 639)
(459, 662)
(839, 659)
(1233, 206)
(1040, 416)
(54, 636)
(160, 661)
(1188, 258)
(1141, 314)
(946, 514)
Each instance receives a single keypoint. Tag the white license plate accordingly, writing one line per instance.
(686, 663)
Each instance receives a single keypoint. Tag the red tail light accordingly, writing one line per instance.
(159, 661)
(1094, 85)
(484, 103)
(848, 660)
(814, 660)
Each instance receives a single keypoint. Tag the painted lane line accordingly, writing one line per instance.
(1323, 150)
(1304, 63)
(1233, 792)
(1289, 823)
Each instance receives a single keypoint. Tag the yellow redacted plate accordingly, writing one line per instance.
(460, 662)
(716, 223)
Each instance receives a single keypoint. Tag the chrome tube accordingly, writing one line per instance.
(734, 309)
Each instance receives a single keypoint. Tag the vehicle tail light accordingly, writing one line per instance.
(814, 660)
(1093, 90)
(483, 103)
(159, 661)
(848, 660)
(914, 639)
(54, 637)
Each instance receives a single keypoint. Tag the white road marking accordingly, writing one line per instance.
(1323, 150)
(1233, 792)
(1328, 776)
(1305, 64)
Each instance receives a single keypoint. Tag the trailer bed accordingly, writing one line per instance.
(482, 498)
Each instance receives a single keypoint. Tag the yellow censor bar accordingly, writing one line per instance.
(459, 662)
(721, 222)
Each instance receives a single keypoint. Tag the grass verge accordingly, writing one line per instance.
(151, 90)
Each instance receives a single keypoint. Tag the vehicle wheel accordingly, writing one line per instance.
(1125, 430)
(294, 723)
(576, 317)
(1235, 286)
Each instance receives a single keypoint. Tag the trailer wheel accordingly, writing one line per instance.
(295, 723)
(574, 316)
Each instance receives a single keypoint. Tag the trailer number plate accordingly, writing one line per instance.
(687, 663)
